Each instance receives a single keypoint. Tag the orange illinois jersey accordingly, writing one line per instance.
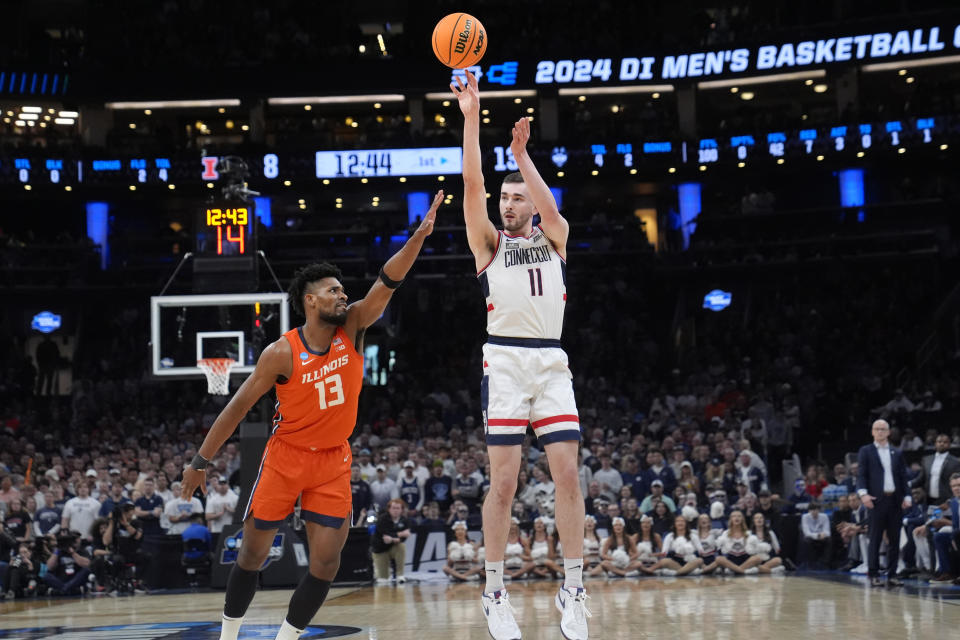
(317, 406)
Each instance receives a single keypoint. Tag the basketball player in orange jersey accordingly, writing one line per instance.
(317, 370)
(526, 379)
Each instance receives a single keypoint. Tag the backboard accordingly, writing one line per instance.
(184, 329)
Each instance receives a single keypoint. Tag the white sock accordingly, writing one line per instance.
(494, 572)
(230, 628)
(288, 631)
(573, 572)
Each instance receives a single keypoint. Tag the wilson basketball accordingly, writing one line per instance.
(459, 40)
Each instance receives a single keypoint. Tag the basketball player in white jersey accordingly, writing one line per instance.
(526, 379)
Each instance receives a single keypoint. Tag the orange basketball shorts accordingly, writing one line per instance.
(321, 477)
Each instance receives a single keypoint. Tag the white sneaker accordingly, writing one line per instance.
(751, 571)
(573, 605)
(401, 579)
(499, 613)
(696, 572)
(778, 569)
(632, 574)
(862, 568)
(383, 582)
(666, 572)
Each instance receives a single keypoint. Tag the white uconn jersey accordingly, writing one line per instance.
(525, 285)
(526, 376)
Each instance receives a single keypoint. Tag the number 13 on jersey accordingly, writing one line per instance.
(334, 386)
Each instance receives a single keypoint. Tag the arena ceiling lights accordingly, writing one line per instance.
(516, 93)
(174, 104)
(356, 99)
(777, 77)
(925, 62)
(601, 91)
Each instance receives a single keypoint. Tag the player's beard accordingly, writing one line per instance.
(337, 319)
(519, 222)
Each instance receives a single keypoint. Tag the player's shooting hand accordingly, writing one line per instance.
(521, 135)
(468, 95)
(426, 227)
(193, 478)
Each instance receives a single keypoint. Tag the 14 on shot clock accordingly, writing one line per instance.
(225, 229)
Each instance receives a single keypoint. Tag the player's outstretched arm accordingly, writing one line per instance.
(363, 313)
(274, 361)
(481, 234)
(555, 227)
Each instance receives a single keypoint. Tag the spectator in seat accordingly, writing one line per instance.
(688, 481)
(657, 495)
(221, 506)
(46, 521)
(383, 489)
(749, 474)
(148, 508)
(658, 471)
(947, 543)
(179, 512)
(438, 487)
(80, 512)
(631, 475)
(815, 538)
(843, 478)
(113, 499)
(362, 497)
(936, 470)
(608, 478)
(914, 516)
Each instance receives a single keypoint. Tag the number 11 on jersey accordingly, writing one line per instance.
(536, 288)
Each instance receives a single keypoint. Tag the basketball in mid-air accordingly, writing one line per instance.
(459, 40)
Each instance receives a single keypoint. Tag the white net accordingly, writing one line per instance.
(217, 371)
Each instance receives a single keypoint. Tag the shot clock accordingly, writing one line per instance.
(225, 229)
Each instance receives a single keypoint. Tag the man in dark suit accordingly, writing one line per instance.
(935, 472)
(883, 487)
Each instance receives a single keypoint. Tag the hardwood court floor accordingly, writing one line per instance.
(783, 608)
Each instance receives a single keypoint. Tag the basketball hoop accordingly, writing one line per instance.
(217, 371)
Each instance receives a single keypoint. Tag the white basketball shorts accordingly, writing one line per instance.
(527, 381)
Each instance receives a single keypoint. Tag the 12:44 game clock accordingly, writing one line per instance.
(226, 229)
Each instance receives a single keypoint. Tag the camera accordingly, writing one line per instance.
(65, 542)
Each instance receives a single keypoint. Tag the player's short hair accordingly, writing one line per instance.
(516, 176)
(304, 276)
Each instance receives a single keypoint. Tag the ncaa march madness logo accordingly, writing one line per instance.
(166, 631)
(231, 548)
